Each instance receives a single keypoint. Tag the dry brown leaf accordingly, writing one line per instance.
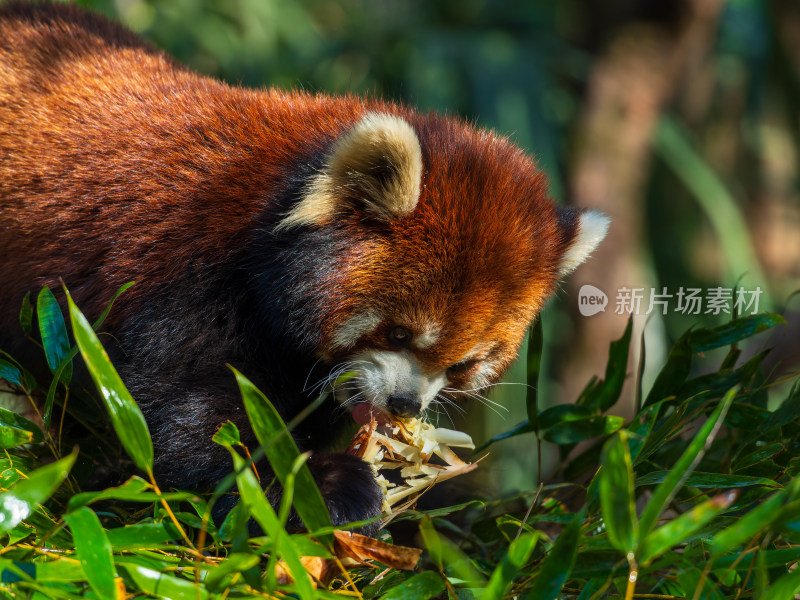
(363, 548)
(320, 569)
(351, 549)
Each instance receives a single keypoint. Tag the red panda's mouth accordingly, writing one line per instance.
(364, 413)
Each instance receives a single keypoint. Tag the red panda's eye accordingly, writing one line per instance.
(400, 335)
(461, 368)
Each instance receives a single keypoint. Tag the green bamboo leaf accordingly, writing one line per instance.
(13, 468)
(761, 576)
(18, 502)
(234, 526)
(260, 509)
(666, 491)
(641, 429)
(11, 437)
(415, 515)
(107, 309)
(10, 373)
(503, 576)
(287, 498)
(756, 521)
(58, 376)
(94, 551)
(674, 372)
(599, 563)
(130, 490)
(421, 586)
(12, 419)
(59, 538)
(235, 562)
(788, 519)
(227, 435)
(135, 489)
(709, 480)
(59, 571)
(730, 360)
(307, 546)
(617, 500)
(661, 430)
(771, 558)
(589, 590)
(677, 530)
(691, 581)
(17, 374)
(282, 453)
(637, 399)
(26, 314)
(161, 561)
(432, 542)
(162, 585)
(19, 533)
(616, 370)
(64, 370)
(142, 535)
(733, 331)
(62, 592)
(604, 394)
(14, 571)
(747, 416)
(447, 556)
(716, 384)
(562, 413)
(572, 431)
(53, 330)
(558, 563)
(534, 367)
(784, 588)
(126, 417)
(524, 427)
(758, 455)
(786, 412)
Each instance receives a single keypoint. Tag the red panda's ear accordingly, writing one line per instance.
(376, 166)
(589, 228)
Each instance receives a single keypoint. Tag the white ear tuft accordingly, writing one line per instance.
(376, 166)
(591, 228)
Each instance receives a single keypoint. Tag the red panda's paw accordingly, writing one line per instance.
(349, 489)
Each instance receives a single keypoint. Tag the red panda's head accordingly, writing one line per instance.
(455, 248)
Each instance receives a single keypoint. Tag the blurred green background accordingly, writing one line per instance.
(680, 119)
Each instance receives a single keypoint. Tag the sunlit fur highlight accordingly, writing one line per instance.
(592, 228)
(354, 328)
(377, 163)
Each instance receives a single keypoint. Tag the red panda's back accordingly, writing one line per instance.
(118, 164)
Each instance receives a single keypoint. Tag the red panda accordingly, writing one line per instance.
(293, 235)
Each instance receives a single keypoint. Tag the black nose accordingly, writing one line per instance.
(404, 405)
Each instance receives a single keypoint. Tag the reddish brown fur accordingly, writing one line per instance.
(118, 107)
(105, 112)
(474, 294)
(116, 164)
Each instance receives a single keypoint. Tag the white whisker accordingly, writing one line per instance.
(311, 370)
(490, 404)
(332, 376)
